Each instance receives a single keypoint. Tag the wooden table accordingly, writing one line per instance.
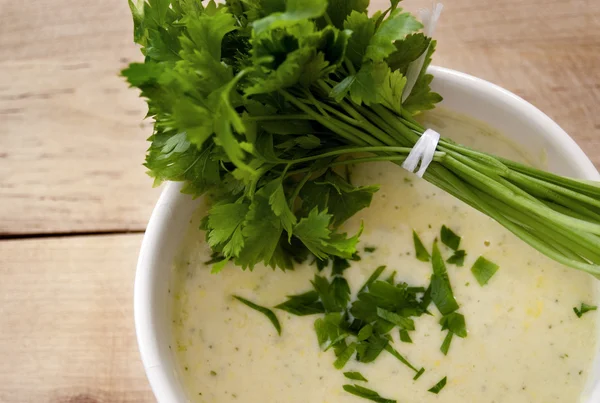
(74, 199)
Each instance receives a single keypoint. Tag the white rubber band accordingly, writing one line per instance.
(422, 152)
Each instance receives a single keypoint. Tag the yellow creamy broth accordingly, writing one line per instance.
(525, 344)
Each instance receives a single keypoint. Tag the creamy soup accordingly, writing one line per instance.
(525, 344)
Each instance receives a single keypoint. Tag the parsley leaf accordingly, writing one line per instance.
(584, 309)
(458, 258)
(393, 28)
(420, 250)
(449, 238)
(484, 270)
(303, 304)
(366, 393)
(438, 386)
(265, 311)
(355, 376)
(441, 290)
(314, 232)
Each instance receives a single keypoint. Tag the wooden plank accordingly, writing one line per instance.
(71, 143)
(66, 320)
(72, 139)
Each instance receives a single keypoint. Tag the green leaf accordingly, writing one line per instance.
(355, 376)
(303, 304)
(393, 28)
(341, 199)
(368, 350)
(345, 356)
(372, 278)
(458, 258)
(339, 266)
(418, 374)
(400, 357)
(279, 205)
(338, 10)
(407, 51)
(295, 11)
(225, 227)
(267, 312)
(370, 76)
(402, 322)
(421, 97)
(334, 295)
(390, 92)
(455, 322)
(441, 291)
(404, 336)
(261, 230)
(484, 270)
(438, 386)
(363, 29)
(314, 232)
(446, 344)
(584, 309)
(449, 238)
(365, 332)
(329, 330)
(366, 393)
(420, 251)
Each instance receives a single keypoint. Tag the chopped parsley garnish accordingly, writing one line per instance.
(303, 304)
(366, 393)
(441, 290)
(446, 343)
(355, 376)
(369, 249)
(404, 336)
(449, 238)
(418, 374)
(584, 309)
(420, 250)
(438, 386)
(484, 270)
(265, 311)
(458, 258)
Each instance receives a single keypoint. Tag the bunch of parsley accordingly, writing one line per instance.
(258, 103)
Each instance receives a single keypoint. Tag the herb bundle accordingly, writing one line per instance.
(260, 104)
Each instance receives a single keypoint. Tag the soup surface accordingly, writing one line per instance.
(525, 344)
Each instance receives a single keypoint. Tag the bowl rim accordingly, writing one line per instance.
(159, 376)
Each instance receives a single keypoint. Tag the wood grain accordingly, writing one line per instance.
(71, 138)
(66, 321)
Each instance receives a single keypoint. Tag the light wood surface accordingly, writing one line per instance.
(72, 141)
(66, 328)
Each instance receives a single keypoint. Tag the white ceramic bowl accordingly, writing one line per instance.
(515, 118)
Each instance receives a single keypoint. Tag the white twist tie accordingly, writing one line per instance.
(423, 151)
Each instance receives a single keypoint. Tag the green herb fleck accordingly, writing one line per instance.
(366, 393)
(372, 278)
(458, 258)
(418, 374)
(438, 386)
(404, 336)
(484, 270)
(370, 249)
(449, 238)
(446, 344)
(441, 290)
(420, 250)
(265, 311)
(584, 309)
(355, 376)
(303, 304)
